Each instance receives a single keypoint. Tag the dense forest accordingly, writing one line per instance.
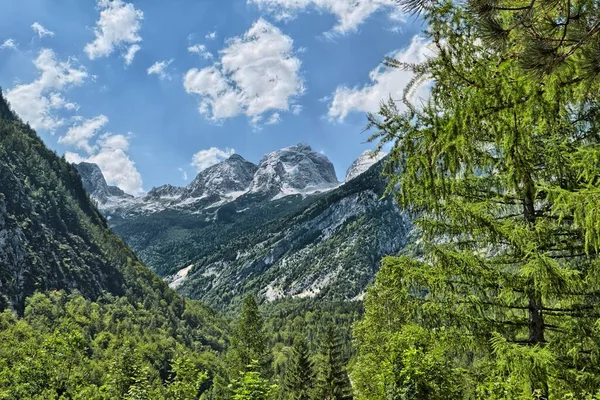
(498, 299)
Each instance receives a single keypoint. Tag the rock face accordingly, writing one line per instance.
(51, 235)
(284, 228)
(365, 161)
(96, 186)
(233, 175)
(293, 170)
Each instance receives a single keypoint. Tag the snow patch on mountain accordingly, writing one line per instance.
(293, 170)
(362, 164)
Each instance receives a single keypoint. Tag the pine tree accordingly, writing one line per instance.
(501, 173)
(332, 379)
(545, 35)
(248, 341)
(299, 375)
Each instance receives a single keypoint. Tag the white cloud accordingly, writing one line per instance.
(9, 44)
(130, 53)
(110, 155)
(385, 82)
(258, 72)
(349, 13)
(118, 27)
(201, 50)
(40, 30)
(184, 174)
(274, 119)
(80, 135)
(160, 69)
(211, 35)
(206, 158)
(36, 102)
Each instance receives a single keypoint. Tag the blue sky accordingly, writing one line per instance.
(156, 90)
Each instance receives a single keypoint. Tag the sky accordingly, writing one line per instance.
(154, 91)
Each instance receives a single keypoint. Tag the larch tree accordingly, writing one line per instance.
(501, 170)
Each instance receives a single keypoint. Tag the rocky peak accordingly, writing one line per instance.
(95, 184)
(292, 170)
(365, 161)
(165, 191)
(231, 175)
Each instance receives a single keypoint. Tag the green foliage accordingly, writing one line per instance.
(332, 379)
(68, 346)
(501, 172)
(252, 386)
(248, 341)
(299, 375)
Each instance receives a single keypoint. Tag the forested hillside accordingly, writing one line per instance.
(101, 325)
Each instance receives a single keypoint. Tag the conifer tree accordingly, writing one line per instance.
(299, 375)
(332, 378)
(252, 386)
(502, 174)
(248, 341)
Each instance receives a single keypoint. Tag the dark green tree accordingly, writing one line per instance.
(501, 173)
(332, 379)
(299, 375)
(248, 340)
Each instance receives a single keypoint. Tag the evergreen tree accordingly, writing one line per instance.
(253, 386)
(332, 379)
(501, 173)
(299, 375)
(248, 341)
(545, 35)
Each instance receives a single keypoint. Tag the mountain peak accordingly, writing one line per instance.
(231, 175)
(236, 157)
(365, 161)
(95, 184)
(293, 170)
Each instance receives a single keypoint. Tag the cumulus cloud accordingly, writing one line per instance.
(349, 13)
(80, 135)
(206, 158)
(129, 55)
(40, 30)
(201, 50)
(8, 44)
(211, 35)
(160, 69)
(117, 28)
(37, 102)
(110, 153)
(385, 82)
(257, 72)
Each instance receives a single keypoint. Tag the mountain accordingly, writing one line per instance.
(293, 170)
(365, 161)
(95, 184)
(283, 228)
(52, 237)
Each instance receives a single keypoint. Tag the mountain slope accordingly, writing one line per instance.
(51, 235)
(324, 244)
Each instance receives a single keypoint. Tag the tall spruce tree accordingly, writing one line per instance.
(502, 174)
(249, 342)
(332, 378)
(299, 375)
